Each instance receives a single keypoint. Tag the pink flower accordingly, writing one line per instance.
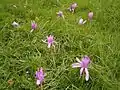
(39, 76)
(50, 40)
(72, 7)
(60, 14)
(33, 25)
(90, 15)
(83, 65)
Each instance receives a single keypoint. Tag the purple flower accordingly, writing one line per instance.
(60, 14)
(90, 15)
(39, 76)
(83, 65)
(50, 40)
(33, 25)
(72, 7)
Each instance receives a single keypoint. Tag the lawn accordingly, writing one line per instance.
(22, 52)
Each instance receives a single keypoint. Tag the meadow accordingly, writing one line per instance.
(22, 52)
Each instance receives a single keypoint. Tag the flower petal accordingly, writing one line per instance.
(78, 60)
(75, 65)
(81, 71)
(81, 21)
(32, 30)
(87, 74)
(84, 21)
(38, 82)
(49, 45)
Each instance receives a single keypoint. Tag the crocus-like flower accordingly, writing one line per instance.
(15, 24)
(72, 7)
(39, 76)
(33, 25)
(60, 14)
(83, 65)
(81, 21)
(90, 15)
(50, 41)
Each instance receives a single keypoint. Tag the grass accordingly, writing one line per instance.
(22, 51)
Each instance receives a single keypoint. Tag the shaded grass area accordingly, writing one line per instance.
(22, 51)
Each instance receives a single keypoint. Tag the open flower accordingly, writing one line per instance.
(90, 15)
(15, 24)
(50, 41)
(72, 7)
(39, 76)
(81, 21)
(33, 26)
(60, 14)
(83, 65)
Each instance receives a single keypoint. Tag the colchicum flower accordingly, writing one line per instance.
(83, 65)
(50, 41)
(39, 76)
(33, 26)
(81, 21)
(90, 15)
(72, 7)
(15, 24)
(60, 14)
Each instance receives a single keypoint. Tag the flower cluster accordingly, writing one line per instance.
(82, 64)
